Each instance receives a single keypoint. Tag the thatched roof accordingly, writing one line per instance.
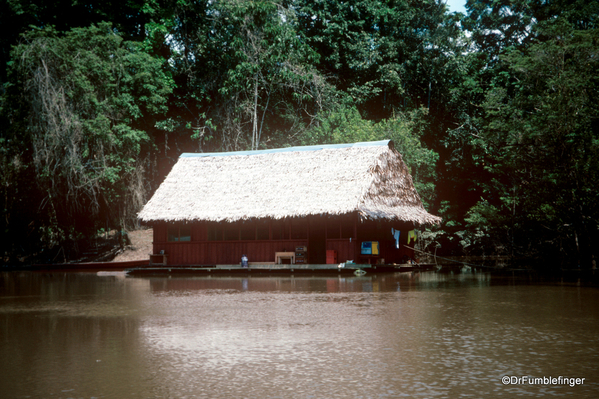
(368, 178)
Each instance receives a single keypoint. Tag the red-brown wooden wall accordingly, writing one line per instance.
(200, 251)
(224, 252)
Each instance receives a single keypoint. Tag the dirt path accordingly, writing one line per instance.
(140, 248)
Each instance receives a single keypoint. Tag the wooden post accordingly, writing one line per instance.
(353, 247)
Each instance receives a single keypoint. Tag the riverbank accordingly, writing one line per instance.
(108, 247)
(140, 247)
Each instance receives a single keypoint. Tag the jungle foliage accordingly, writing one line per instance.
(496, 112)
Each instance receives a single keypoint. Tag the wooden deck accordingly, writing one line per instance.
(252, 269)
(271, 268)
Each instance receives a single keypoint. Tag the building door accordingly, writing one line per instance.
(317, 242)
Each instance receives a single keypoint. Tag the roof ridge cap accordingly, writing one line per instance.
(380, 143)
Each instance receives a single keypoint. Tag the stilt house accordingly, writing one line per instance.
(313, 204)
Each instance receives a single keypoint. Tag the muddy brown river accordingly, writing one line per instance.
(413, 335)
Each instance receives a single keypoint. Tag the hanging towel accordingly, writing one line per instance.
(396, 234)
(412, 234)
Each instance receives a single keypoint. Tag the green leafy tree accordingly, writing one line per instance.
(469, 182)
(386, 55)
(543, 134)
(270, 85)
(243, 77)
(17, 16)
(84, 102)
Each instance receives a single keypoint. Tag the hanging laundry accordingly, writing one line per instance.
(412, 235)
(396, 234)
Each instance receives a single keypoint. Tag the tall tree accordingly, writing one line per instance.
(543, 133)
(387, 55)
(270, 85)
(89, 99)
(17, 16)
(243, 76)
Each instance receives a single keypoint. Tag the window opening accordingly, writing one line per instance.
(280, 229)
(262, 230)
(185, 233)
(347, 229)
(231, 232)
(247, 231)
(215, 232)
(299, 229)
(177, 233)
(333, 229)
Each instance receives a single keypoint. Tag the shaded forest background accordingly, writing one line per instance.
(496, 112)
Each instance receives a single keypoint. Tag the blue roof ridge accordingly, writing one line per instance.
(388, 143)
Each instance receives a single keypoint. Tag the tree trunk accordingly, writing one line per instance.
(255, 116)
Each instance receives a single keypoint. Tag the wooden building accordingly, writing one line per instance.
(314, 204)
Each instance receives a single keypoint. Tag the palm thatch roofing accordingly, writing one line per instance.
(368, 178)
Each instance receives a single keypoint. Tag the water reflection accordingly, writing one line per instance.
(334, 283)
(401, 335)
